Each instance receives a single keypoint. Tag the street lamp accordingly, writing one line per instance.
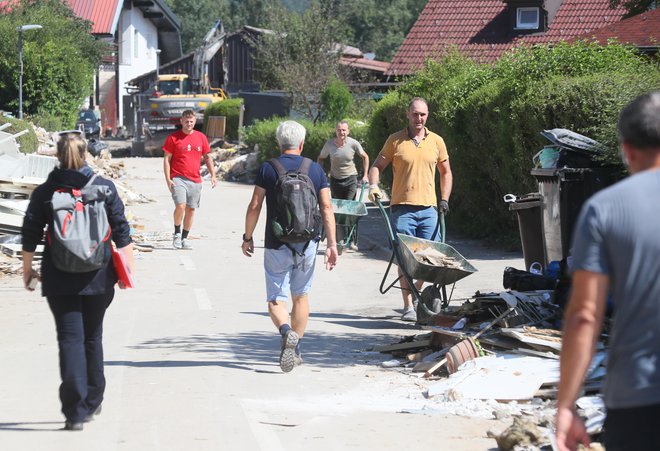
(157, 62)
(20, 30)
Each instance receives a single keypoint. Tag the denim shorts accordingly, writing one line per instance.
(287, 272)
(186, 192)
(414, 220)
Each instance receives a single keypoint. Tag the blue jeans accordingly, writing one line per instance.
(418, 221)
(79, 323)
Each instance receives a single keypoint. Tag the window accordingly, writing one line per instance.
(527, 18)
(136, 44)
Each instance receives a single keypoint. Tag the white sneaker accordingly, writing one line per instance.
(409, 314)
(185, 244)
(176, 242)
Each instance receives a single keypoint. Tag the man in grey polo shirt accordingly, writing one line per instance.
(616, 248)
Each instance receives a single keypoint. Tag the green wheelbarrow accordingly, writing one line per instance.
(431, 261)
(347, 214)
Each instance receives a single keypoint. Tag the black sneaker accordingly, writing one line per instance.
(73, 426)
(288, 351)
(91, 415)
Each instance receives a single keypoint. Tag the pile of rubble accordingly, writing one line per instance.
(496, 355)
(233, 163)
(21, 173)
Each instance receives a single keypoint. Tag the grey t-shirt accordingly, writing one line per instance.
(618, 234)
(342, 162)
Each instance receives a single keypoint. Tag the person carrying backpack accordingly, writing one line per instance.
(298, 201)
(82, 213)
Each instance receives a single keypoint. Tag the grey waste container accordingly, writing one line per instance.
(563, 191)
(529, 209)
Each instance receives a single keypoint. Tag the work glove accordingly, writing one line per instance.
(374, 193)
(444, 206)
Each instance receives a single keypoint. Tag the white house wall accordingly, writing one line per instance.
(138, 41)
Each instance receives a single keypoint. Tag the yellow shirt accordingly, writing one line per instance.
(414, 167)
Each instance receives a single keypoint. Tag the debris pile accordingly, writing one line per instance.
(233, 163)
(21, 173)
(501, 349)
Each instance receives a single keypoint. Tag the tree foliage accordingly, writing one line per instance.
(300, 55)
(633, 7)
(379, 26)
(198, 16)
(336, 100)
(59, 60)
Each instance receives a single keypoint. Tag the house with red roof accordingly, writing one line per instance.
(142, 35)
(642, 31)
(484, 29)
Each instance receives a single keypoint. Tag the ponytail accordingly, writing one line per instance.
(71, 150)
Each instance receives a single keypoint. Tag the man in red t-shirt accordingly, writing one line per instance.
(183, 152)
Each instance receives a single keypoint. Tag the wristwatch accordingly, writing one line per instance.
(246, 239)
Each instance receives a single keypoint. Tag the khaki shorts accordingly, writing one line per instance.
(186, 192)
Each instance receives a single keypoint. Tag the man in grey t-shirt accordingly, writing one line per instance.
(616, 248)
(342, 150)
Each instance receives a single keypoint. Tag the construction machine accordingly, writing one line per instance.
(174, 93)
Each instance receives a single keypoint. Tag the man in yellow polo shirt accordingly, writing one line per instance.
(415, 153)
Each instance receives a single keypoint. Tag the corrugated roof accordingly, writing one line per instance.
(642, 30)
(480, 29)
(103, 14)
(365, 63)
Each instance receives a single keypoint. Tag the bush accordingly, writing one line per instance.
(336, 101)
(491, 117)
(231, 110)
(28, 142)
(50, 122)
(388, 117)
(262, 134)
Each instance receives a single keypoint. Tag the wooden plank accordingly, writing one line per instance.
(406, 345)
(418, 356)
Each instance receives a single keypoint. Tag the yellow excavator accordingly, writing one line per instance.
(174, 93)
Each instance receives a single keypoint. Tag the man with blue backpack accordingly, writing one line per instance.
(298, 201)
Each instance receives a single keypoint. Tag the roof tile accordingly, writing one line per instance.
(480, 29)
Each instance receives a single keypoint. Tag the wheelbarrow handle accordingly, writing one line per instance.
(363, 187)
(379, 204)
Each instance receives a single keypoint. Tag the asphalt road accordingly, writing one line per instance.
(192, 358)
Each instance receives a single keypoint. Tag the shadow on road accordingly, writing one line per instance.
(252, 351)
(32, 426)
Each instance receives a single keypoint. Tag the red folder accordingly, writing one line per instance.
(121, 268)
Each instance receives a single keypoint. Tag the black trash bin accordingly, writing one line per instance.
(563, 191)
(529, 209)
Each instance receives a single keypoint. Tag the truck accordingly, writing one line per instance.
(173, 93)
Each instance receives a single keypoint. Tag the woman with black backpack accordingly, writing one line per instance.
(78, 288)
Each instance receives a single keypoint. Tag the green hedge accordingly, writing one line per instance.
(28, 142)
(231, 109)
(491, 117)
(262, 134)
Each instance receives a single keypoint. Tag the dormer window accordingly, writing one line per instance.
(527, 18)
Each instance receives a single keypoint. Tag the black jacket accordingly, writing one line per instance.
(39, 215)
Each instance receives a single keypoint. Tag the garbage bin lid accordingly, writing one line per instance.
(569, 140)
(526, 201)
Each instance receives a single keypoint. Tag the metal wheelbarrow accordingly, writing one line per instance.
(347, 215)
(452, 268)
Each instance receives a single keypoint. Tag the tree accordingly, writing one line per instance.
(634, 7)
(379, 26)
(58, 61)
(198, 16)
(301, 54)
